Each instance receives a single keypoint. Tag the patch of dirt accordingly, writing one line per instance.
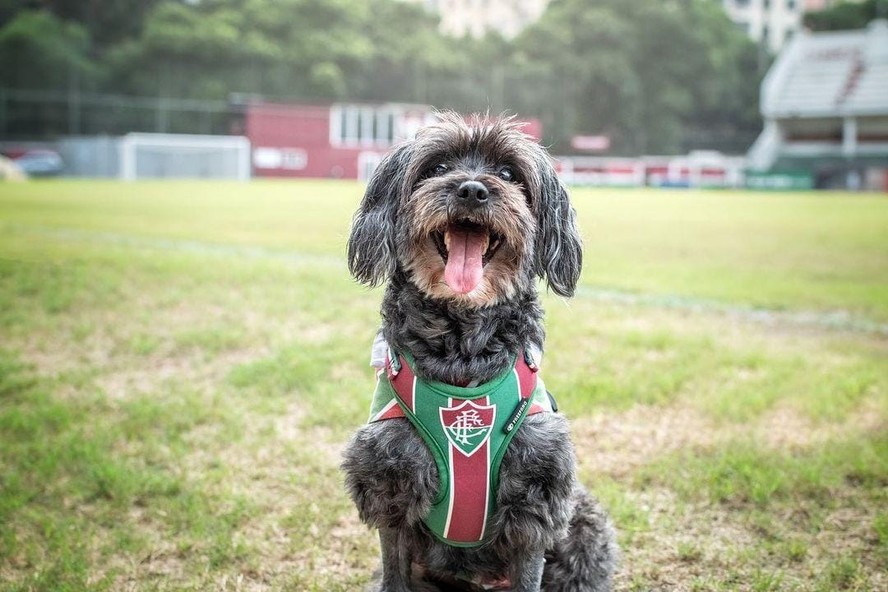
(617, 443)
(150, 373)
(785, 429)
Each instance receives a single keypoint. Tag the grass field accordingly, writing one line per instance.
(181, 364)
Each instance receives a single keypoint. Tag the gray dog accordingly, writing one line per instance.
(471, 490)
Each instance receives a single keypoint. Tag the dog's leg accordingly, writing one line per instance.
(584, 561)
(395, 562)
(534, 498)
(529, 574)
(392, 478)
(398, 568)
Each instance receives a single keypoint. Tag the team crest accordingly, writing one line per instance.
(468, 426)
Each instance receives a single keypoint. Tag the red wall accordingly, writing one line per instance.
(305, 129)
(300, 127)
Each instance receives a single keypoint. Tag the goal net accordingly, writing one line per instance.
(181, 156)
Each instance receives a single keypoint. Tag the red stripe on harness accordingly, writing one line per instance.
(402, 381)
(470, 491)
(527, 377)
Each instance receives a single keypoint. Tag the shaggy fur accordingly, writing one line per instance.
(547, 533)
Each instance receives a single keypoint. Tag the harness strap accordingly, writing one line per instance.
(401, 377)
(467, 430)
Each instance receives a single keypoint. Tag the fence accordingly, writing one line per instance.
(35, 114)
(45, 114)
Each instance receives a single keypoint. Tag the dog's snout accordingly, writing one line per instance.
(473, 192)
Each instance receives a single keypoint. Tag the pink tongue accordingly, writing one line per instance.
(464, 269)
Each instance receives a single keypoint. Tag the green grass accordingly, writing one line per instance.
(181, 364)
(817, 251)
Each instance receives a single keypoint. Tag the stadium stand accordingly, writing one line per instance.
(825, 105)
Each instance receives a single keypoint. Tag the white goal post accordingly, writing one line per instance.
(184, 156)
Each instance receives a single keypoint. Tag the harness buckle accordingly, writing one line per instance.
(531, 363)
(394, 363)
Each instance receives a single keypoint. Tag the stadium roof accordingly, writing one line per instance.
(834, 74)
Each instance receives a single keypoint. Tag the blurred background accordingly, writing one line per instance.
(731, 93)
(183, 354)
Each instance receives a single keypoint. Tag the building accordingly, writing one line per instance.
(768, 22)
(825, 106)
(477, 17)
(772, 22)
(340, 141)
(343, 141)
(699, 169)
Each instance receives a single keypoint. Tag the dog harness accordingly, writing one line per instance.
(467, 430)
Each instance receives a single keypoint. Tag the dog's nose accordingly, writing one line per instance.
(474, 192)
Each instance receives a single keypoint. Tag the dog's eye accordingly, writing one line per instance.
(506, 174)
(439, 169)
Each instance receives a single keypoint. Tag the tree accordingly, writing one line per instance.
(847, 15)
(39, 51)
(644, 73)
(297, 48)
(107, 21)
(654, 76)
(406, 52)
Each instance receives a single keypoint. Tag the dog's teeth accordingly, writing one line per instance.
(447, 240)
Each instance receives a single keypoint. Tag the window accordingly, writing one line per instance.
(361, 125)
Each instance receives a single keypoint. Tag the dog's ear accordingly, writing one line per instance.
(559, 248)
(371, 245)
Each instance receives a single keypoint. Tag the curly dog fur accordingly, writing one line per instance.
(547, 532)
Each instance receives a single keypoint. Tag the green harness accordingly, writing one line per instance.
(467, 430)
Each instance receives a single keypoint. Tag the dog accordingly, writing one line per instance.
(459, 223)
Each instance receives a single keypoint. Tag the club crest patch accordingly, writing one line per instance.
(468, 426)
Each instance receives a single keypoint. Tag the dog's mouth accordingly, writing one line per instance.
(466, 247)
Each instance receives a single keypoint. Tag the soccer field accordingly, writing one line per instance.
(181, 364)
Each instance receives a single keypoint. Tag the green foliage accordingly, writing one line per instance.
(107, 21)
(655, 76)
(40, 51)
(643, 72)
(847, 15)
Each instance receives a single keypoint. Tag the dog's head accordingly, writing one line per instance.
(470, 212)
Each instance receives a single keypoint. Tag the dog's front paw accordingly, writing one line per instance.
(415, 586)
(390, 474)
(536, 485)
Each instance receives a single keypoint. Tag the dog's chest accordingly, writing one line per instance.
(467, 430)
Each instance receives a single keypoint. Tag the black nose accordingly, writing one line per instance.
(473, 192)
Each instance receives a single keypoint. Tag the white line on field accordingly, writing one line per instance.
(839, 320)
(178, 245)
